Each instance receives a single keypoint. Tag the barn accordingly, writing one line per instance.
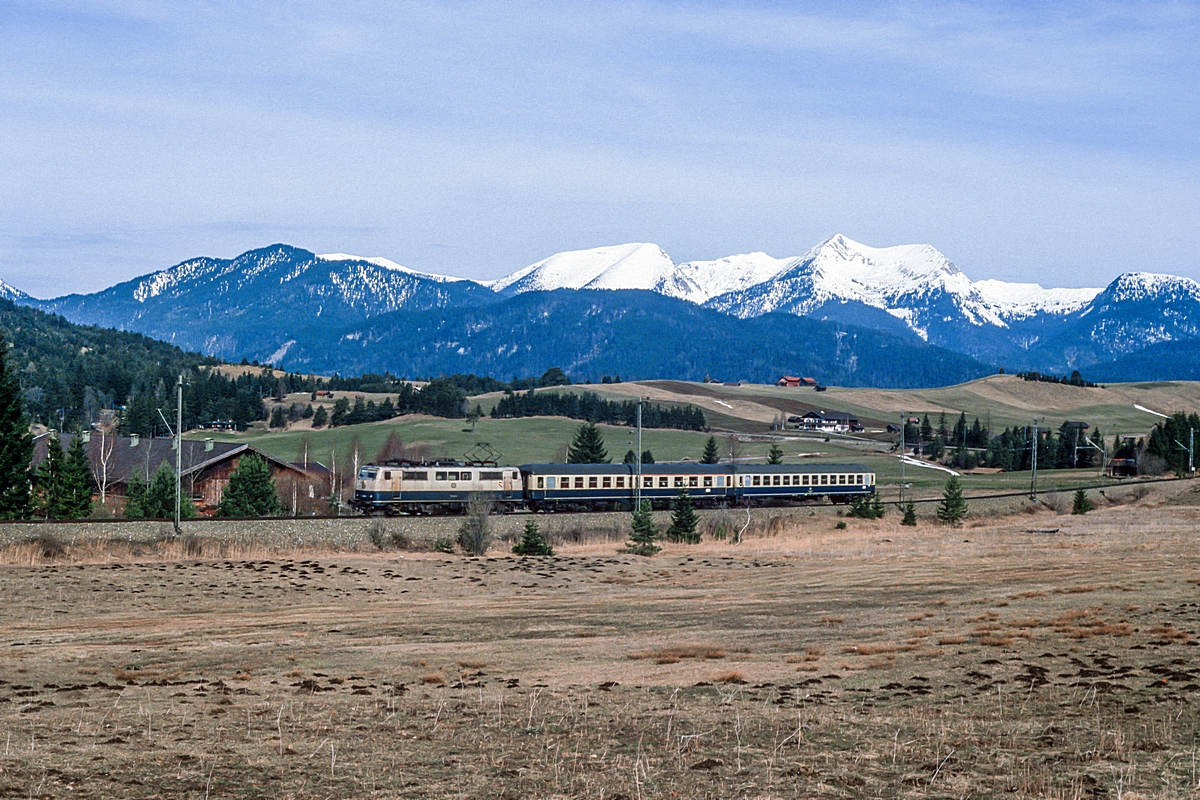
(206, 466)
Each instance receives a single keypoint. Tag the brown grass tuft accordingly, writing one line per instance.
(673, 655)
(832, 619)
(1026, 595)
(732, 676)
(1074, 589)
(996, 641)
(433, 678)
(472, 664)
(945, 640)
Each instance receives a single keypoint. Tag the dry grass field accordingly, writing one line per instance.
(1025, 655)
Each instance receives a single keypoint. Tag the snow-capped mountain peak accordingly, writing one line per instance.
(1135, 286)
(11, 293)
(625, 266)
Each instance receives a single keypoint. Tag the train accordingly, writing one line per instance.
(446, 487)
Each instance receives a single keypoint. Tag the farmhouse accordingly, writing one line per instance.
(828, 421)
(206, 466)
(792, 380)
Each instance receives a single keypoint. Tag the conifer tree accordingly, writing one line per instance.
(645, 533)
(775, 454)
(251, 492)
(47, 480)
(159, 499)
(532, 543)
(953, 507)
(910, 516)
(711, 454)
(135, 496)
(16, 445)
(647, 457)
(278, 419)
(588, 446)
(683, 519)
(630, 457)
(75, 498)
(1081, 504)
(877, 507)
(320, 417)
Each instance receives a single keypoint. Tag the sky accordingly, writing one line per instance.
(1047, 142)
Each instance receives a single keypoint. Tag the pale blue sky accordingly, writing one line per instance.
(1050, 142)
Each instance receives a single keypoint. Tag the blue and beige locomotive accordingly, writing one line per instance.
(446, 486)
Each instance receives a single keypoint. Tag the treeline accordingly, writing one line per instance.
(593, 408)
(1170, 439)
(467, 383)
(1074, 379)
(441, 397)
(1069, 447)
(963, 441)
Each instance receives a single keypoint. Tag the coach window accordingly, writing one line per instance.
(757, 480)
(607, 482)
(721, 481)
(592, 482)
(678, 481)
(824, 480)
(542, 483)
(579, 483)
(663, 482)
(776, 480)
(707, 481)
(620, 482)
(787, 480)
(842, 480)
(441, 476)
(858, 479)
(693, 481)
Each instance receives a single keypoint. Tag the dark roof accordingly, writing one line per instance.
(124, 458)
(795, 468)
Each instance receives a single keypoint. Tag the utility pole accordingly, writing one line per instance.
(177, 443)
(637, 492)
(1033, 485)
(903, 428)
(1190, 449)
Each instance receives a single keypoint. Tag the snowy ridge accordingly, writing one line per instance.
(387, 263)
(11, 292)
(1023, 300)
(624, 266)
(1136, 286)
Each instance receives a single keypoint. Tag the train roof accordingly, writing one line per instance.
(794, 468)
(685, 469)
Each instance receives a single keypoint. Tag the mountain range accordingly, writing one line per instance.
(613, 310)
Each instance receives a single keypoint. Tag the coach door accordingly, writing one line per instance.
(507, 482)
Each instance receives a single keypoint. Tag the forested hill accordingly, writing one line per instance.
(70, 372)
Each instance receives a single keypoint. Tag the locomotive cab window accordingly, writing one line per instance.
(367, 474)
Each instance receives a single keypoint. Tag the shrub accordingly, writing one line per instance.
(910, 515)
(474, 535)
(1081, 503)
(443, 544)
(841, 525)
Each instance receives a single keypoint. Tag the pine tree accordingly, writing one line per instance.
(775, 454)
(1081, 504)
(278, 419)
(910, 516)
(251, 492)
(877, 507)
(861, 507)
(683, 520)
(953, 507)
(75, 499)
(135, 496)
(647, 457)
(159, 499)
(711, 454)
(630, 457)
(320, 417)
(16, 445)
(47, 480)
(642, 539)
(532, 543)
(588, 446)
